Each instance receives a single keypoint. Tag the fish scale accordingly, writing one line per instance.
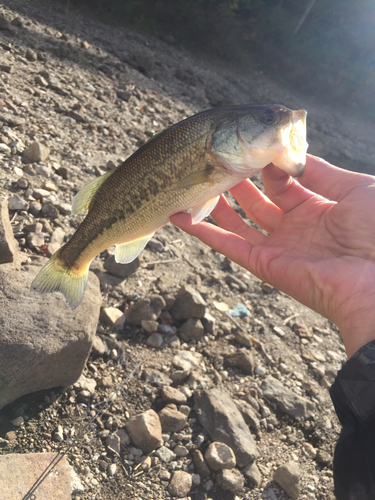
(185, 166)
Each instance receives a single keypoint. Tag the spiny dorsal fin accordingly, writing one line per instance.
(82, 199)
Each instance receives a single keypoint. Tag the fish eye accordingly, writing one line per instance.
(269, 116)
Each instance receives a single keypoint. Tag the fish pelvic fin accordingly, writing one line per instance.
(81, 201)
(56, 277)
(202, 210)
(127, 252)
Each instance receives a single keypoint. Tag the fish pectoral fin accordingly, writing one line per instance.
(202, 210)
(82, 200)
(127, 252)
(198, 177)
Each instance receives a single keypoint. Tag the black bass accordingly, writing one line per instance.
(186, 166)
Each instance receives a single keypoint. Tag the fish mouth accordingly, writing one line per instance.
(292, 157)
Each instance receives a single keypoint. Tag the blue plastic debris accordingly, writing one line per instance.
(240, 311)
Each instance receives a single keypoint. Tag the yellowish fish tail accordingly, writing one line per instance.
(55, 276)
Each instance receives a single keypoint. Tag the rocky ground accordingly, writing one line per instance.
(231, 397)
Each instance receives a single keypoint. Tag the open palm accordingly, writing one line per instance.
(320, 248)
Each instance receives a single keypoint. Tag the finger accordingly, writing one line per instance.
(257, 207)
(227, 218)
(283, 190)
(232, 245)
(329, 181)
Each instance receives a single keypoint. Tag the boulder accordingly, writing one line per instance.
(44, 344)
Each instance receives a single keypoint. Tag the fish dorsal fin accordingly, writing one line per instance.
(202, 210)
(82, 200)
(198, 177)
(127, 252)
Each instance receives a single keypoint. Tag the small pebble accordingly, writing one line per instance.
(17, 422)
(111, 470)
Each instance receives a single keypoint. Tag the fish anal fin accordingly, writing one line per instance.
(127, 252)
(82, 200)
(202, 210)
(198, 177)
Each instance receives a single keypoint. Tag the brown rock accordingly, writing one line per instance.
(52, 341)
(287, 476)
(149, 325)
(52, 248)
(287, 401)
(192, 329)
(252, 473)
(242, 359)
(249, 414)
(149, 309)
(8, 244)
(121, 270)
(200, 463)
(189, 304)
(171, 419)
(35, 240)
(230, 480)
(36, 152)
(145, 430)
(20, 471)
(180, 484)
(111, 316)
(219, 415)
(220, 456)
(172, 395)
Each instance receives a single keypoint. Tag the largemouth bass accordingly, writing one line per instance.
(186, 166)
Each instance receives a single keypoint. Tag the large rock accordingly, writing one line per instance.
(19, 472)
(43, 343)
(287, 401)
(219, 415)
(8, 243)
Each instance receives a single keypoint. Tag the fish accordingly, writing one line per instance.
(186, 166)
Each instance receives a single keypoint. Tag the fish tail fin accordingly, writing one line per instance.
(55, 276)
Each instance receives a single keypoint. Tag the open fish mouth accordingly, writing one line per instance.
(292, 158)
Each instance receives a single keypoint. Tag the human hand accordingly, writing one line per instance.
(321, 244)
